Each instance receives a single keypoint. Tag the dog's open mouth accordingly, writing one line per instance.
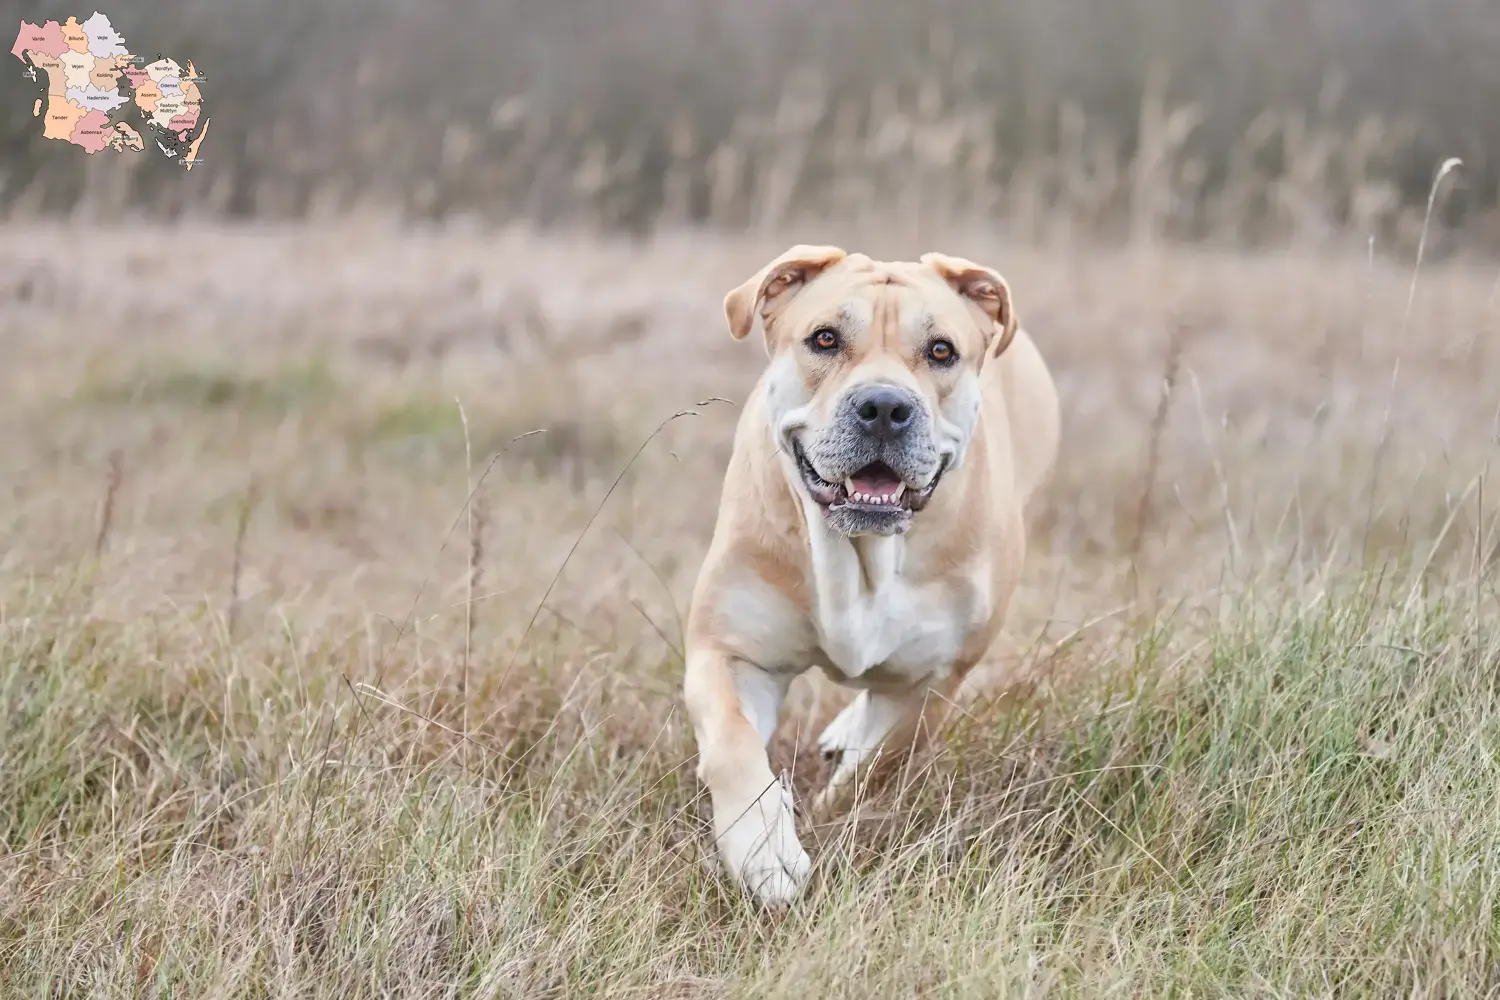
(874, 488)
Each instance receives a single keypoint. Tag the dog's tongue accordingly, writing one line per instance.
(876, 480)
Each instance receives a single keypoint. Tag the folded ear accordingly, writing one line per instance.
(774, 284)
(985, 289)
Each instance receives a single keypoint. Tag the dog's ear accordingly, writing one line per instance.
(985, 290)
(774, 283)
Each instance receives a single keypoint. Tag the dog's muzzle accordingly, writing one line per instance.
(876, 463)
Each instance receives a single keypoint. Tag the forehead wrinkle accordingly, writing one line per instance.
(854, 315)
(888, 313)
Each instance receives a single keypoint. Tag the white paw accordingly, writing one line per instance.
(758, 846)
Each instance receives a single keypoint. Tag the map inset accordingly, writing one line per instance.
(94, 82)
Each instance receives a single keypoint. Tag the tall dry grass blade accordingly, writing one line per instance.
(404, 628)
(1444, 169)
(1236, 552)
(1476, 565)
(241, 530)
(322, 766)
(666, 589)
(114, 475)
(552, 584)
(471, 584)
(1153, 443)
(1437, 542)
(1448, 166)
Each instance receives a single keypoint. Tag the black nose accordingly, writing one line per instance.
(883, 411)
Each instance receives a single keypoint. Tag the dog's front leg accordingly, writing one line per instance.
(733, 706)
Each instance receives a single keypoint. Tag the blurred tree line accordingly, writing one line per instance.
(1232, 119)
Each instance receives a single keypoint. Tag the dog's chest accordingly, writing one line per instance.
(876, 625)
(899, 633)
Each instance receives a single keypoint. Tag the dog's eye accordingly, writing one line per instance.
(941, 352)
(824, 340)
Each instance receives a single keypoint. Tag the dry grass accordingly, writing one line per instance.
(1274, 775)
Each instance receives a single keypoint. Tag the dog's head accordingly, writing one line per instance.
(873, 391)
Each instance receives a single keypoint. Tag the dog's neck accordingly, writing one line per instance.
(845, 569)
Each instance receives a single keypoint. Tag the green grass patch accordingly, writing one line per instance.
(570, 447)
(279, 391)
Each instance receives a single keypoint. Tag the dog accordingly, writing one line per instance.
(870, 523)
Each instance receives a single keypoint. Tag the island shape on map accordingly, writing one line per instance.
(86, 64)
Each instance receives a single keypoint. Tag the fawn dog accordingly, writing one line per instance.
(870, 523)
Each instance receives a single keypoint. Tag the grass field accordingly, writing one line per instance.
(247, 620)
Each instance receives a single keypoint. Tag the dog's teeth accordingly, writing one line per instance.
(849, 486)
(900, 489)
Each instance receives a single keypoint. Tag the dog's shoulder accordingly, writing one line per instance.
(753, 587)
(1021, 396)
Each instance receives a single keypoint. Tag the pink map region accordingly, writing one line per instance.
(48, 39)
(93, 131)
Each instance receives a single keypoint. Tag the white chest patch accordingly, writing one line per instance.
(870, 626)
(877, 627)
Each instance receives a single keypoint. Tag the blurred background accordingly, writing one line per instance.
(1241, 121)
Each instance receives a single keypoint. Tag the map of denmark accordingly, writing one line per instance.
(94, 81)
